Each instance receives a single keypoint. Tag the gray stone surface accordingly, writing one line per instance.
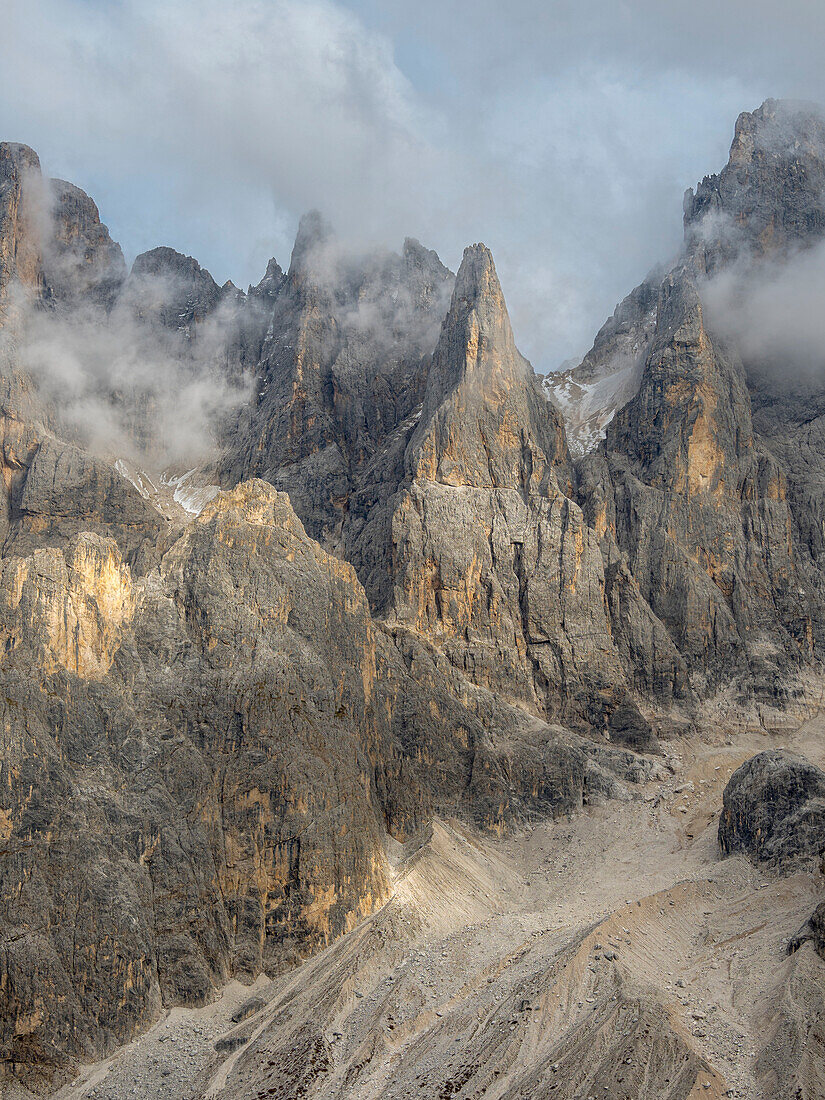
(343, 362)
(774, 810)
(199, 768)
(708, 481)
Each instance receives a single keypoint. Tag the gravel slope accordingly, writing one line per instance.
(613, 953)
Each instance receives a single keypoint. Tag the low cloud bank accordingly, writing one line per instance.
(773, 312)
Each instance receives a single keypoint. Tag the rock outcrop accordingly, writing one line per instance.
(765, 202)
(696, 499)
(65, 490)
(52, 242)
(774, 810)
(479, 549)
(235, 737)
(343, 362)
(699, 507)
(19, 223)
(81, 263)
(812, 931)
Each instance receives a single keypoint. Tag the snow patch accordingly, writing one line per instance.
(191, 496)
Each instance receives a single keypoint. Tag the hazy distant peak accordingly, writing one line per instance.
(314, 233)
(780, 127)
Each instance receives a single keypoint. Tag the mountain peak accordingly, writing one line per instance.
(482, 402)
(768, 197)
(314, 233)
(476, 337)
(172, 287)
(477, 277)
(783, 128)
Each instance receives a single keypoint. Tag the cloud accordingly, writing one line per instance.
(562, 135)
(293, 101)
(123, 388)
(145, 366)
(771, 311)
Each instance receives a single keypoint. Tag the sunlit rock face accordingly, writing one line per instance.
(69, 608)
(491, 560)
(691, 481)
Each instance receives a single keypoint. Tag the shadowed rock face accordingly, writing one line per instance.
(774, 810)
(81, 263)
(343, 362)
(199, 769)
(65, 490)
(768, 197)
(171, 290)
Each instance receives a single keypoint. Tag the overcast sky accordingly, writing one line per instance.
(562, 134)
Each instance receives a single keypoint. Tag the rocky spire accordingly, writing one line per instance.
(314, 234)
(484, 421)
(768, 197)
(491, 559)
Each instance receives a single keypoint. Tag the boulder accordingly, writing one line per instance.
(773, 811)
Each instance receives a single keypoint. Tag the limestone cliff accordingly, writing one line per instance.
(699, 507)
(199, 768)
(699, 501)
(491, 559)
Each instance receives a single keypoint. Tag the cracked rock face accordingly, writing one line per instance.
(699, 506)
(218, 755)
(343, 362)
(701, 480)
(491, 561)
(235, 737)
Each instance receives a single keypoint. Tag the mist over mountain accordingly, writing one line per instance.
(563, 136)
